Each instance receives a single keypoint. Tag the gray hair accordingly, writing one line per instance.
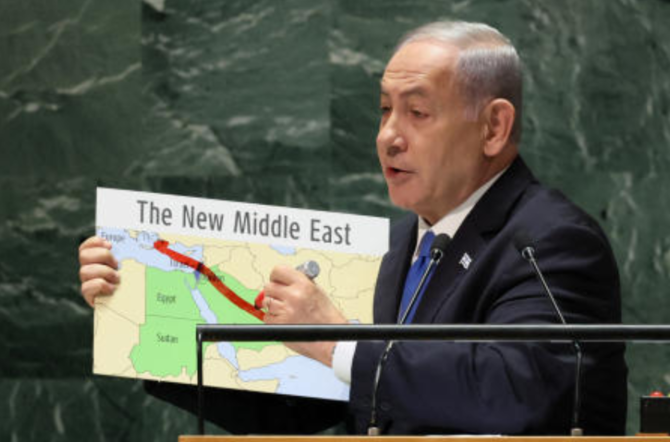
(488, 66)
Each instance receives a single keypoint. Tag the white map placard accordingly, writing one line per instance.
(187, 261)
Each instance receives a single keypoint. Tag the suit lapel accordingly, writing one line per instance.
(460, 255)
(487, 217)
(393, 271)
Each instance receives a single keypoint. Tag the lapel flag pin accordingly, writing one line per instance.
(465, 261)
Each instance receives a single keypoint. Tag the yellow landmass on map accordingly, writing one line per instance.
(220, 373)
(349, 278)
(112, 350)
(117, 321)
(353, 305)
(242, 265)
(216, 255)
(269, 386)
(128, 300)
(272, 354)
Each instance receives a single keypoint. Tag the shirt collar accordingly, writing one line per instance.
(451, 222)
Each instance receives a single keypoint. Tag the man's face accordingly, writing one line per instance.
(430, 153)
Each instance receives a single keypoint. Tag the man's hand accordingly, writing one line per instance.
(292, 298)
(98, 269)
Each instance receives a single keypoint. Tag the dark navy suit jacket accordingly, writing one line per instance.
(509, 388)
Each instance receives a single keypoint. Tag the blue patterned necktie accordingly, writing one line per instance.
(414, 277)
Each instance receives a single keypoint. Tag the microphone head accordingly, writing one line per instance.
(439, 245)
(523, 243)
(311, 269)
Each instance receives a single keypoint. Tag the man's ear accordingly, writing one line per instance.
(498, 119)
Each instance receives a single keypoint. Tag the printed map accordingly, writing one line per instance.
(147, 328)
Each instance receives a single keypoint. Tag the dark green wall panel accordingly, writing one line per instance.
(276, 102)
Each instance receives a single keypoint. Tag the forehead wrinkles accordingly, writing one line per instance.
(435, 85)
(404, 83)
(422, 65)
(408, 74)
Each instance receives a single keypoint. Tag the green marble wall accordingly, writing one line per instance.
(276, 102)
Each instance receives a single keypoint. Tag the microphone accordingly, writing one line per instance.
(437, 249)
(522, 242)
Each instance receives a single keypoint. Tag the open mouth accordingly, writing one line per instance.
(393, 172)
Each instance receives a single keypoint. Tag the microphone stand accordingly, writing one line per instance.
(436, 255)
(529, 255)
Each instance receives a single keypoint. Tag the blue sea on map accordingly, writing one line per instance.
(300, 376)
(283, 250)
(141, 249)
(226, 349)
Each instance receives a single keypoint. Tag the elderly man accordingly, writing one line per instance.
(447, 144)
(448, 138)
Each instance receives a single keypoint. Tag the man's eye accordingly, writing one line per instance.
(385, 109)
(418, 114)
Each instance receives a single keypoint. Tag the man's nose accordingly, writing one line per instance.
(390, 140)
